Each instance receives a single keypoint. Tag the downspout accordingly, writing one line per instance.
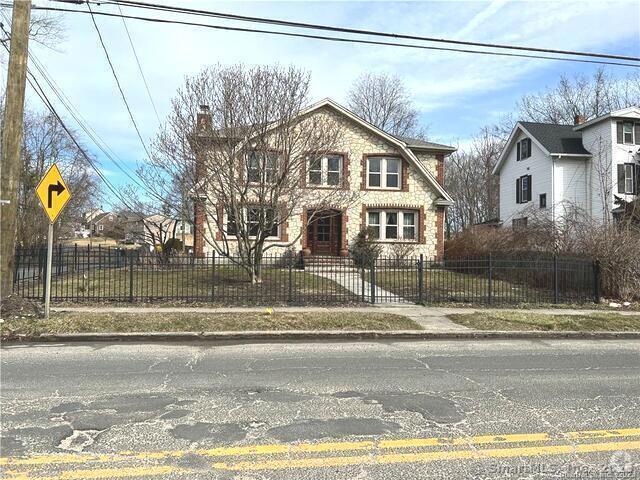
(553, 190)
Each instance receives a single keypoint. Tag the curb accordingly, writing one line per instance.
(330, 335)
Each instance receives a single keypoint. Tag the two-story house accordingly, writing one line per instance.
(552, 169)
(399, 187)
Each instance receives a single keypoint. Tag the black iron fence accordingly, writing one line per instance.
(86, 274)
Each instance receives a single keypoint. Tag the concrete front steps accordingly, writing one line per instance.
(326, 263)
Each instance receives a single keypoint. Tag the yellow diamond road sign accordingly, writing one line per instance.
(53, 193)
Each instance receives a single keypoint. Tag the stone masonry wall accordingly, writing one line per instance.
(416, 194)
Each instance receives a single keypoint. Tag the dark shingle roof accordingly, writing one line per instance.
(557, 138)
(418, 143)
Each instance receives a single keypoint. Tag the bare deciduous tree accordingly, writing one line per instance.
(470, 182)
(384, 101)
(46, 142)
(248, 159)
(581, 95)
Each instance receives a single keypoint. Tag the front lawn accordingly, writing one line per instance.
(509, 320)
(456, 287)
(94, 322)
(226, 284)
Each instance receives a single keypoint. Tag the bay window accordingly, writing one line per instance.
(383, 172)
(393, 224)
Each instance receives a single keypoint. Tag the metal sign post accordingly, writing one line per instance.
(54, 196)
(47, 290)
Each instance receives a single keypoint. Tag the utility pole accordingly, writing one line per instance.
(10, 166)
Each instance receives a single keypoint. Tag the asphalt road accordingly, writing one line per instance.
(450, 410)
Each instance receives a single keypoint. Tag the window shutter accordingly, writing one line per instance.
(621, 178)
(636, 187)
(636, 133)
(518, 151)
(528, 147)
(620, 136)
(530, 187)
(518, 190)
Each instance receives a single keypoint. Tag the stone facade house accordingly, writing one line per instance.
(397, 183)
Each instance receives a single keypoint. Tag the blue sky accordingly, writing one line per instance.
(455, 93)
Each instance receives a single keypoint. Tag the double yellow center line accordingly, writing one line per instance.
(301, 455)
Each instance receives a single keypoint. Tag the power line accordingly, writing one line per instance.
(33, 81)
(82, 122)
(144, 79)
(338, 39)
(113, 71)
(273, 21)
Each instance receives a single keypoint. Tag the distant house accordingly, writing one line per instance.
(587, 166)
(160, 228)
(106, 224)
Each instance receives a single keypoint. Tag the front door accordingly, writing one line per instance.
(323, 234)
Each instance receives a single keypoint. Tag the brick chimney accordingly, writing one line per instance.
(579, 119)
(202, 129)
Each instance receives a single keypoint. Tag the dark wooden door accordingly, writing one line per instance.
(323, 235)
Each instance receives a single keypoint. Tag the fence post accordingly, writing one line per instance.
(16, 265)
(213, 274)
(555, 278)
(596, 281)
(373, 281)
(41, 269)
(362, 283)
(421, 279)
(131, 276)
(75, 258)
(290, 293)
(490, 280)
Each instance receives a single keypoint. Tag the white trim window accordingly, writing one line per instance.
(100, 228)
(325, 171)
(254, 216)
(383, 172)
(627, 133)
(393, 224)
(262, 167)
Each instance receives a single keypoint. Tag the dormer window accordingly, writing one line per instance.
(524, 149)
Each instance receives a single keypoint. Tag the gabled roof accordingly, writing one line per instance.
(623, 112)
(553, 139)
(400, 144)
(420, 144)
(557, 139)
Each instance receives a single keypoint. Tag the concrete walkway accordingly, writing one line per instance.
(352, 281)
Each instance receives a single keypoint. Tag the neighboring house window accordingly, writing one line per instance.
(100, 228)
(517, 223)
(383, 172)
(628, 178)
(255, 216)
(524, 149)
(543, 200)
(393, 224)
(325, 171)
(262, 167)
(111, 218)
(628, 133)
(523, 189)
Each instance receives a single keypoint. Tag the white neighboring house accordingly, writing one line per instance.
(556, 168)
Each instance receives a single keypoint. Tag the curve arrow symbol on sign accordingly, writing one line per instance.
(58, 188)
